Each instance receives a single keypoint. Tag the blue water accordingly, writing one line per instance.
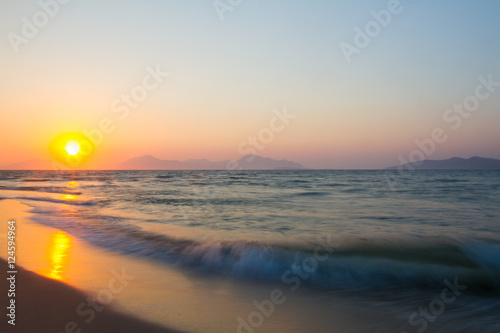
(255, 225)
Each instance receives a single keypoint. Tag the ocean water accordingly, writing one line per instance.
(349, 233)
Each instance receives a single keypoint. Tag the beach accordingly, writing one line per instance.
(47, 305)
(51, 290)
(136, 248)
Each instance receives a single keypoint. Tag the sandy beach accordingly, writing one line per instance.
(44, 304)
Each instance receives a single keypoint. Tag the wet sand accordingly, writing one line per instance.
(46, 304)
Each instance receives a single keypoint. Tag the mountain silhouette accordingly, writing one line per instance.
(455, 163)
(248, 162)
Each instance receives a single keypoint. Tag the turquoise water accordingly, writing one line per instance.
(382, 242)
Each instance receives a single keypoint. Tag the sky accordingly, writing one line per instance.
(328, 84)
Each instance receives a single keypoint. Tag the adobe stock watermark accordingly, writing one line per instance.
(122, 107)
(258, 142)
(126, 103)
(454, 117)
(31, 27)
(372, 29)
(223, 6)
(248, 147)
(293, 278)
(87, 310)
(436, 307)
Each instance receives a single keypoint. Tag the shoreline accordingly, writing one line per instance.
(44, 301)
(47, 305)
(158, 294)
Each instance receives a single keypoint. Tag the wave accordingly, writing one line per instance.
(36, 180)
(450, 180)
(353, 264)
(354, 190)
(186, 201)
(299, 181)
(348, 268)
(312, 193)
(44, 189)
(239, 177)
(69, 201)
(333, 185)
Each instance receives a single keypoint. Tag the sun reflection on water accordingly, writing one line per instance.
(72, 184)
(69, 197)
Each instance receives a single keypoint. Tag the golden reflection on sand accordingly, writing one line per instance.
(57, 255)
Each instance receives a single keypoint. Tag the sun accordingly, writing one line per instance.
(72, 147)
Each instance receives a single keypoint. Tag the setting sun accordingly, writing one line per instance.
(72, 147)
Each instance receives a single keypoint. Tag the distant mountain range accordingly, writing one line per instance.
(248, 162)
(455, 163)
(255, 162)
(148, 162)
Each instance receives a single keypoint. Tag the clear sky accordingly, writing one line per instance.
(225, 78)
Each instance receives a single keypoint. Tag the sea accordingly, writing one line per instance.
(394, 251)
